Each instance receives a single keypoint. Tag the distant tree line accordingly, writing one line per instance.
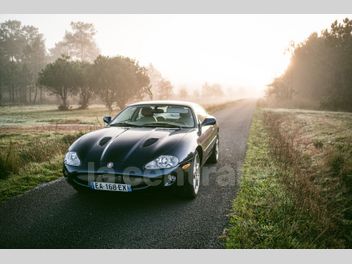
(207, 91)
(320, 72)
(29, 73)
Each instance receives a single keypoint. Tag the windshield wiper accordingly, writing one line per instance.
(162, 125)
(125, 124)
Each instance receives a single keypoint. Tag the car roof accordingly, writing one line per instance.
(168, 102)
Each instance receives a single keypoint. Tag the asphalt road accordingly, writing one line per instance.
(55, 216)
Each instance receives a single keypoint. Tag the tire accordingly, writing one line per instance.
(191, 183)
(214, 157)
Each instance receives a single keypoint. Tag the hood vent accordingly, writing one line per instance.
(150, 141)
(104, 140)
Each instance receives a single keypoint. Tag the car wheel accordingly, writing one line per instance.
(214, 157)
(192, 182)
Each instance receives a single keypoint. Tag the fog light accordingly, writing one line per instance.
(169, 180)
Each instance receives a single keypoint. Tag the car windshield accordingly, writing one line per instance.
(173, 116)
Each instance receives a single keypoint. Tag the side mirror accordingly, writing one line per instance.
(209, 121)
(107, 119)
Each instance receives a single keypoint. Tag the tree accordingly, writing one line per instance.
(2, 75)
(78, 44)
(155, 78)
(183, 93)
(23, 54)
(11, 46)
(85, 87)
(34, 59)
(118, 80)
(165, 90)
(160, 87)
(320, 71)
(62, 78)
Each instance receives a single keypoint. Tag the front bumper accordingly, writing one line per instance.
(168, 178)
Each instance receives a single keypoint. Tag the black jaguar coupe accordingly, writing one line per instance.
(155, 144)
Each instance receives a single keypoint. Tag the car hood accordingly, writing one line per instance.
(126, 147)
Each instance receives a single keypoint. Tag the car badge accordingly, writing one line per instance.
(110, 165)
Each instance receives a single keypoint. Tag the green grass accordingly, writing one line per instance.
(33, 140)
(31, 159)
(48, 114)
(296, 182)
(30, 177)
(262, 212)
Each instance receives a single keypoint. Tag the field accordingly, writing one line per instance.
(296, 185)
(33, 140)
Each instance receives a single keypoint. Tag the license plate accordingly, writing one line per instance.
(113, 187)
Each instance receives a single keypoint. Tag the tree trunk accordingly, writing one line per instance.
(41, 95)
(35, 94)
(30, 94)
(12, 93)
(64, 96)
(84, 98)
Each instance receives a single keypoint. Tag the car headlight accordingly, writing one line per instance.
(71, 158)
(162, 162)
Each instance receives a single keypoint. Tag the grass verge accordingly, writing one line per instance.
(294, 187)
(33, 160)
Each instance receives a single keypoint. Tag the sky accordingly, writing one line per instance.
(246, 51)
